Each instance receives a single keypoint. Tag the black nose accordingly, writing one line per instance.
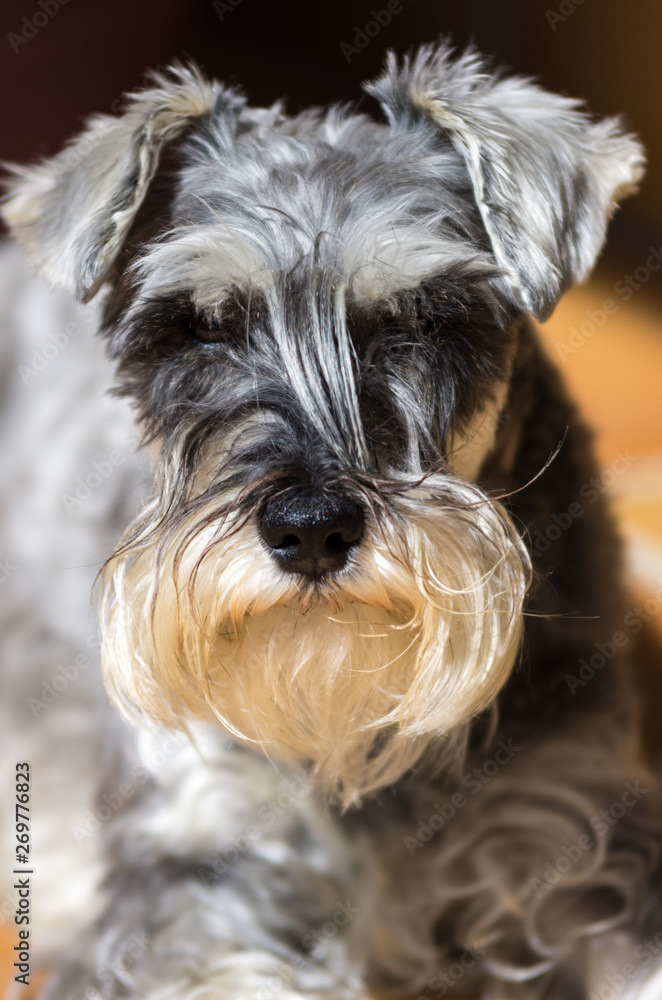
(311, 533)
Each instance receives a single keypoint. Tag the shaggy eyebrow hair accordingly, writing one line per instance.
(448, 301)
(425, 360)
(145, 323)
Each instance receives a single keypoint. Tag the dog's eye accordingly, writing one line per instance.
(209, 331)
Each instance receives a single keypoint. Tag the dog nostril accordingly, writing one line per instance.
(336, 543)
(343, 541)
(311, 534)
(286, 542)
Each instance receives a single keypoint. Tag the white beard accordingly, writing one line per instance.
(358, 676)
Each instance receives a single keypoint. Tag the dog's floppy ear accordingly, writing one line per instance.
(545, 176)
(72, 213)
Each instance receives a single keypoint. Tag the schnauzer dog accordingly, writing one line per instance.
(388, 768)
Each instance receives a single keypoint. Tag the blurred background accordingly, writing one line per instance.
(60, 61)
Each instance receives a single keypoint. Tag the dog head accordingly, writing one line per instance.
(317, 317)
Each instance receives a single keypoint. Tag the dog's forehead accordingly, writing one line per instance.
(335, 193)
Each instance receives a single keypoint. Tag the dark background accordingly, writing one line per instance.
(88, 52)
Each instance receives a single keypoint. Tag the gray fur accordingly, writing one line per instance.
(545, 177)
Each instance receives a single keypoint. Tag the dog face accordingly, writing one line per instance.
(317, 319)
